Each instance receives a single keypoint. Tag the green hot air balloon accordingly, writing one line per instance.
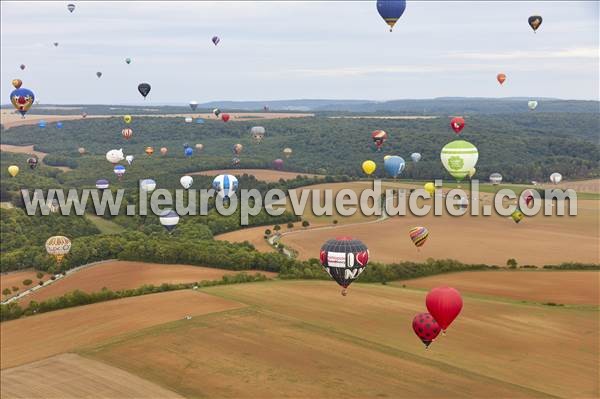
(459, 157)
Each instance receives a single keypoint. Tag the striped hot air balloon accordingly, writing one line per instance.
(127, 133)
(225, 185)
(418, 235)
(169, 220)
(459, 157)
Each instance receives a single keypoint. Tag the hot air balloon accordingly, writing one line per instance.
(287, 152)
(495, 178)
(169, 220)
(188, 152)
(379, 137)
(224, 117)
(32, 162)
(444, 304)
(149, 151)
(128, 61)
(127, 133)
(22, 66)
(393, 165)
(71, 7)
(17, 83)
(535, 21)
(119, 171)
(127, 119)
(278, 164)
(415, 156)
(199, 121)
(369, 167)
(235, 162)
(457, 124)
(22, 99)
(215, 40)
(501, 78)
(532, 105)
(185, 145)
(517, 215)
(471, 173)
(129, 159)
(430, 188)
(81, 150)
(193, 105)
(144, 89)
(188, 119)
(237, 148)
(199, 147)
(147, 185)
(459, 157)
(186, 181)
(58, 247)
(84, 115)
(426, 328)
(528, 196)
(59, 125)
(216, 112)
(42, 124)
(99, 74)
(418, 235)
(115, 156)
(55, 44)
(13, 170)
(391, 10)
(163, 150)
(344, 259)
(258, 133)
(102, 184)
(556, 178)
(225, 185)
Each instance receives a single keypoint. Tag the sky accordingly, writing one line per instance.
(298, 50)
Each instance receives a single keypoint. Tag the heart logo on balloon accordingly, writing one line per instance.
(362, 258)
(323, 257)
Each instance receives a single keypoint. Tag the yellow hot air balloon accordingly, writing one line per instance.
(472, 172)
(58, 246)
(386, 157)
(13, 170)
(17, 83)
(127, 118)
(430, 188)
(369, 167)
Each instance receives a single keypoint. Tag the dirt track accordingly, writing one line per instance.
(564, 287)
(37, 337)
(119, 275)
(72, 376)
(302, 339)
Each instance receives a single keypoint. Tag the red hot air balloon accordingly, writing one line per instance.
(224, 117)
(457, 124)
(501, 78)
(127, 133)
(426, 328)
(379, 137)
(444, 304)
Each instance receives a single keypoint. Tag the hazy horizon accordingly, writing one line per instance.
(276, 51)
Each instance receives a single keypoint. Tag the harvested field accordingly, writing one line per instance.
(266, 175)
(254, 235)
(302, 339)
(119, 275)
(563, 287)
(37, 337)
(15, 279)
(28, 149)
(72, 376)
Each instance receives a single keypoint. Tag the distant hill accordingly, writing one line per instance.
(437, 106)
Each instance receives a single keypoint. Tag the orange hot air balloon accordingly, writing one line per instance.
(501, 78)
(163, 151)
(17, 83)
(149, 150)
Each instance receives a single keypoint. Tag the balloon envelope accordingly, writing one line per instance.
(215, 40)
(127, 118)
(555, 178)
(102, 184)
(418, 235)
(535, 21)
(501, 78)
(17, 83)
(426, 328)
(144, 89)
(459, 157)
(115, 156)
(58, 247)
(99, 74)
(457, 124)
(186, 181)
(169, 219)
(225, 117)
(278, 164)
(393, 165)
(415, 156)
(444, 304)
(188, 152)
(369, 167)
(193, 105)
(532, 105)
(22, 99)
(71, 7)
(344, 259)
(147, 185)
(391, 10)
(495, 178)
(13, 170)
(225, 185)
(430, 188)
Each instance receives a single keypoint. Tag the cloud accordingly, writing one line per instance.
(579, 52)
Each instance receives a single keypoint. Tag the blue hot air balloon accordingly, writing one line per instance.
(119, 171)
(225, 185)
(59, 125)
(147, 185)
(42, 124)
(391, 10)
(188, 152)
(394, 165)
(22, 99)
(169, 219)
(102, 184)
(199, 121)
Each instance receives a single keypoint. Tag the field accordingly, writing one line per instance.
(15, 279)
(28, 149)
(72, 376)
(34, 338)
(260, 174)
(254, 235)
(564, 287)
(302, 339)
(119, 275)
